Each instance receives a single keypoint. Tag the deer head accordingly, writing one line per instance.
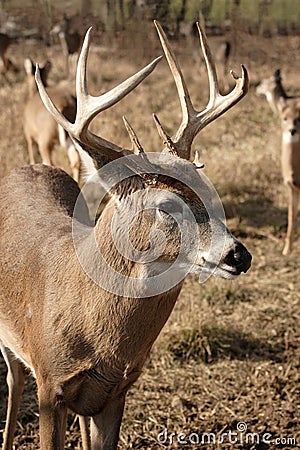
(164, 218)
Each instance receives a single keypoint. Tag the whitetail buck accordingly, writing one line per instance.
(40, 128)
(76, 310)
(70, 42)
(288, 110)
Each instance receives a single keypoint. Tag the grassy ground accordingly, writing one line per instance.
(229, 354)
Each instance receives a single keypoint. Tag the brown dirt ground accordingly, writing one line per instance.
(230, 350)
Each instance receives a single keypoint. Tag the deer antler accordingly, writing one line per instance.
(89, 106)
(193, 121)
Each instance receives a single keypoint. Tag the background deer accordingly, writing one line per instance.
(288, 110)
(5, 42)
(5, 63)
(84, 336)
(273, 89)
(39, 126)
(222, 56)
(70, 42)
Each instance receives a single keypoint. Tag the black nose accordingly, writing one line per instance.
(293, 131)
(239, 258)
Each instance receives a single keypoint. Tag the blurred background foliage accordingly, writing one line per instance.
(263, 17)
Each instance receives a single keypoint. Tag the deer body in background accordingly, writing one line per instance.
(70, 42)
(222, 56)
(39, 126)
(5, 63)
(288, 110)
(77, 308)
(273, 89)
(5, 42)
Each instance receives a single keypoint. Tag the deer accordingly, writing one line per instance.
(273, 89)
(287, 108)
(5, 63)
(222, 56)
(83, 299)
(40, 128)
(70, 42)
(5, 42)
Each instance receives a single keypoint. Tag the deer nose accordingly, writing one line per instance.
(239, 258)
(293, 131)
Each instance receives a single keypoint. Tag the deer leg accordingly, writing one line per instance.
(74, 162)
(15, 381)
(45, 152)
(73, 62)
(52, 419)
(85, 432)
(63, 428)
(105, 427)
(293, 199)
(30, 145)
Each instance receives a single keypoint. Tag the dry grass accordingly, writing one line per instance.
(230, 350)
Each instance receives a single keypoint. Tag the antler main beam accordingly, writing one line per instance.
(89, 106)
(192, 120)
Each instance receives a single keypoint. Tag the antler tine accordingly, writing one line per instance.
(137, 146)
(60, 118)
(89, 106)
(187, 108)
(218, 103)
(167, 141)
(192, 120)
(210, 65)
(184, 96)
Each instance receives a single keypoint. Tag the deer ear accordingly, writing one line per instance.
(89, 167)
(277, 75)
(91, 163)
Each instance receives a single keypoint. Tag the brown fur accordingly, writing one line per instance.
(39, 127)
(5, 42)
(86, 343)
(288, 110)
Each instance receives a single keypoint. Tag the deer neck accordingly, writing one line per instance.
(290, 158)
(119, 315)
(32, 88)
(274, 94)
(102, 256)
